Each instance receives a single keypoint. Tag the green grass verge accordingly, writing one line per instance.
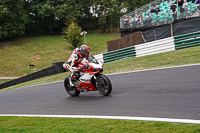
(48, 79)
(4, 80)
(169, 59)
(66, 125)
(16, 55)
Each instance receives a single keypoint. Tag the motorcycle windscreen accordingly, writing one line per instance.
(91, 59)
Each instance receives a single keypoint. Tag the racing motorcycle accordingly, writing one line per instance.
(91, 79)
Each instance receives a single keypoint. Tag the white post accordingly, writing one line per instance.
(150, 6)
(177, 10)
(85, 39)
(84, 33)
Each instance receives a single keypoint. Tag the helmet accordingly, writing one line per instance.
(85, 51)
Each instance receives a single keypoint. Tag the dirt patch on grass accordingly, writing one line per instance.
(6, 45)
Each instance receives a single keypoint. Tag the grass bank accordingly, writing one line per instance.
(16, 55)
(58, 125)
(169, 59)
(4, 80)
(48, 79)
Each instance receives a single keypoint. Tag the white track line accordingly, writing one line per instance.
(189, 121)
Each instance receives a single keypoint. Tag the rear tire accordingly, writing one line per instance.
(72, 91)
(104, 85)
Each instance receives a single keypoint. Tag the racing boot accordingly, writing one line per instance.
(71, 82)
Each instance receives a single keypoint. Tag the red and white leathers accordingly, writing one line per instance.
(74, 60)
(73, 63)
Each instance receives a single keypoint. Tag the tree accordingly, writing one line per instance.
(109, 13)
(73, 35)
(13, 18)
(49, 16)
(18, 17)
(87, 18)
(115, 13)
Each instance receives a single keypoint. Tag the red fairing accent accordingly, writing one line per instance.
(101, 61)
(90, 70)
(80, 64)
(87, 84)
(93, 73)
(91, 67)
(84, 70)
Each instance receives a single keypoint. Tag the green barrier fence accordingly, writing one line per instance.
(187, 40)
(120, 54)
(181, 41)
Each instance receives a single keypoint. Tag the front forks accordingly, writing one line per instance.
(99, 83)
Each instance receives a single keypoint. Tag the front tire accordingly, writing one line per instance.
(104, 85)
(72, 91)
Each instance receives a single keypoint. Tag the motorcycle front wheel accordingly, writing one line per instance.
(104, 85)
(72, 91)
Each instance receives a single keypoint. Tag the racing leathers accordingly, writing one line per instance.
(72, 66)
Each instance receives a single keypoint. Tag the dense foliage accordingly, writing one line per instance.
(19, 17)
(12, 18)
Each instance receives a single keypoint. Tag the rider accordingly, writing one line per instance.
(72, 63)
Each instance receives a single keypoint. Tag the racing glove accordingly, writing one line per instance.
(86, 66)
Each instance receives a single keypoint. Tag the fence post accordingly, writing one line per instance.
(150, 6)
(172, 29)
(177, 10)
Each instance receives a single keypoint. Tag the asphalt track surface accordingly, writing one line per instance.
(162, 93)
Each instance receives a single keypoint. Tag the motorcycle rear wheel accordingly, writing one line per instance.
(104, 85)
(72, 91)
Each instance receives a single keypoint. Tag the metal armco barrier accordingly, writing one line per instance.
(128, 52)
(187, 40)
